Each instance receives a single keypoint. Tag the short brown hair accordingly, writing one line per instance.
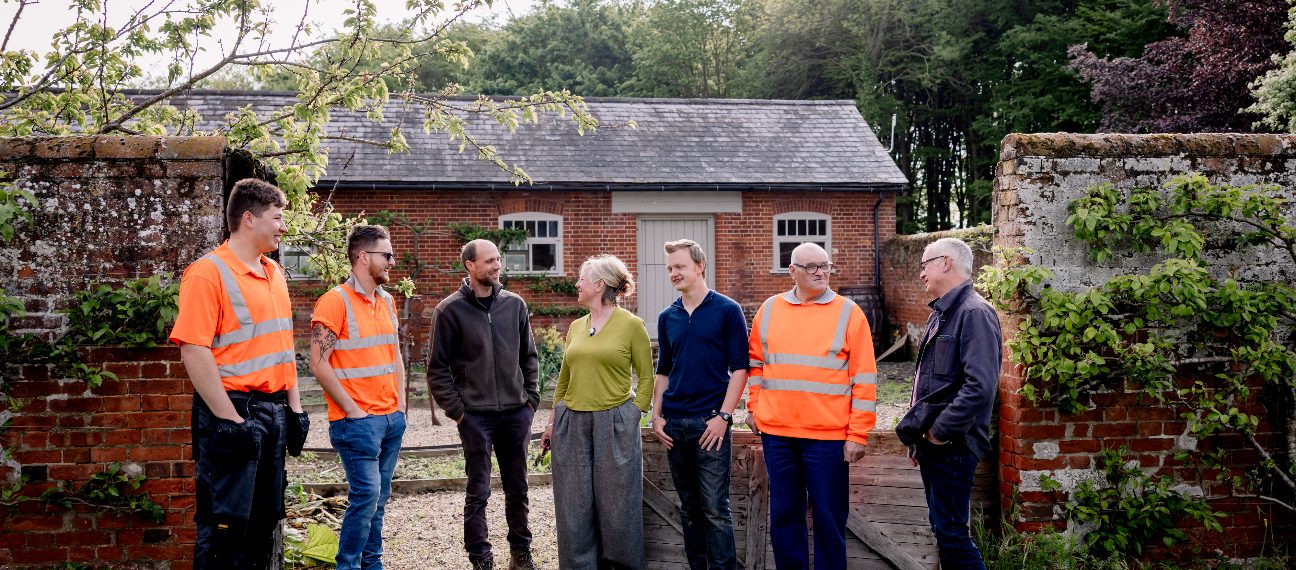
(362, 238)
(251, 195)
(694, 250)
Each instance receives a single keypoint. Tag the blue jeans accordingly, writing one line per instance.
(799, 468)
(702, 481)
(368, 447)
(947, 472)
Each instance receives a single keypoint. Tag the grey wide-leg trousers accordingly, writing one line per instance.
(598, 488)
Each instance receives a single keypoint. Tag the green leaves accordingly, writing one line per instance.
(1131, 509)
(137, 314)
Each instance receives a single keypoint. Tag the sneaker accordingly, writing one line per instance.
(521, 560)
(483, 564)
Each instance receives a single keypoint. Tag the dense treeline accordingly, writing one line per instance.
(941, 81)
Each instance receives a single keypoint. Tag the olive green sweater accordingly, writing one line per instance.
(598, 372)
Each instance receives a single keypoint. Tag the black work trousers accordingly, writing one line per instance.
(509, 434)
(240, 481)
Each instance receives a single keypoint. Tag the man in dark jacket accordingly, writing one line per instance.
(482, 370)
(954, 393)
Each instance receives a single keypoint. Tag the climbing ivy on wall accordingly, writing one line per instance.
(1187, 333)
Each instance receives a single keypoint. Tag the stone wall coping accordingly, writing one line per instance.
(1103, 145)
(87, 147)
(926, 238)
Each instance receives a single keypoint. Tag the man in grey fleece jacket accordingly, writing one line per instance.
(482, 370)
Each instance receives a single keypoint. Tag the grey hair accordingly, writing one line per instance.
(957, 250)
(613, 273)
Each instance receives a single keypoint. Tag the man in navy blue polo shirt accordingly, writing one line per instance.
(701, 371)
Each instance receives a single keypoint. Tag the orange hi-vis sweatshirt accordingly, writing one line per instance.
(812, 370)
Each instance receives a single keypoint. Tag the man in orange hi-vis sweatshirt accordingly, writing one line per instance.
(812, 395)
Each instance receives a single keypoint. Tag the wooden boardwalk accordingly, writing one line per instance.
(888, 519)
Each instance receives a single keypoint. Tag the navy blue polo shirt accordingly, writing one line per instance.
(697, 352)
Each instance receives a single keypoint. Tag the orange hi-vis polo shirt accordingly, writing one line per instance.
(812, 370)
(245, 319)
(364, 357)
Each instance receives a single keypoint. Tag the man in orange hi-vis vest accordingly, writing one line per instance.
(812, 396)
(236, 340)
(355, 356)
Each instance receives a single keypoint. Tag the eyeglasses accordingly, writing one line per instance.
(389, 255)
(813, 268)
(923, 265)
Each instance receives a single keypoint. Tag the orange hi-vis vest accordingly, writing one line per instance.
(245, 318)
(364, 357)
(812, 370)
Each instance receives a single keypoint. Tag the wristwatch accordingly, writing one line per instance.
(728, 418)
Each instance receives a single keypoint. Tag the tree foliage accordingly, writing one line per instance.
(78, 86)
(1194, 82)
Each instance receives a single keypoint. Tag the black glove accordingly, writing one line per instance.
(298, 429)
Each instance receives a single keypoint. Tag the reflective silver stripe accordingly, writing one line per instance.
(391, 307)
(249, 332)
(807, 386)
(755, 364)
(366, 342)
(826, 362)
(353, 328)
(755, 380)
(839, 337)
(764, 324)
(365, 372)
(232, 291)
(864, 405)
(864, 378)
(254, 364)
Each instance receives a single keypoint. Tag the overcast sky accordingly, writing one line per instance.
(41, 19)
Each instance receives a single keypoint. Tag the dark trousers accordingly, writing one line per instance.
(807, 468)
(509, 433)
(240, 482)
(702, 482)
(947, 472)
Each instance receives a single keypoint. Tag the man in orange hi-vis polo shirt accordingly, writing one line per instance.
(235, 335)
(355, 355)
(812, 394)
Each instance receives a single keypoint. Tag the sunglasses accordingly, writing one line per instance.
(389, 255)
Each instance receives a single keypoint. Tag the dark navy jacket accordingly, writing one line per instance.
(965, 348)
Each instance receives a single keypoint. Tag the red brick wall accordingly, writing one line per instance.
(67, 431)
(1038, 175)
(904, 297)
(742, 257)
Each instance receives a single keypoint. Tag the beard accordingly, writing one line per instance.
(485, 280)
(380, 276)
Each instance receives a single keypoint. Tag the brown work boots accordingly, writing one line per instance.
(521, 560)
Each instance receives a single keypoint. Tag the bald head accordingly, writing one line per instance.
(475, 248)
(809, 252)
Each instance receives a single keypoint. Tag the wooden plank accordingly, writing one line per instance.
(880, 542)
(757, 522)
(662, 505)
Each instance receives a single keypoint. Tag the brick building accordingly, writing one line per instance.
(747, 179)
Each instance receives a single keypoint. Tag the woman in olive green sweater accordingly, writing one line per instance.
(597, 456)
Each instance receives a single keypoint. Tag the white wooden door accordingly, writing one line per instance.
(655, 291)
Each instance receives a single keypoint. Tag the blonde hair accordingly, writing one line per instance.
(694, 250)
(613, 273)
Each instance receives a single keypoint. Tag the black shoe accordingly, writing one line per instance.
(483, 564)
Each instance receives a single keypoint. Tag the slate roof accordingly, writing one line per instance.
(698, 144)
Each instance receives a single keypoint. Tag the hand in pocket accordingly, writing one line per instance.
(235, 442)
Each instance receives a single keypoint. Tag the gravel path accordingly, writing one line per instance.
(425, 531)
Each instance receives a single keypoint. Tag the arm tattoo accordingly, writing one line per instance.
(326, 340)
